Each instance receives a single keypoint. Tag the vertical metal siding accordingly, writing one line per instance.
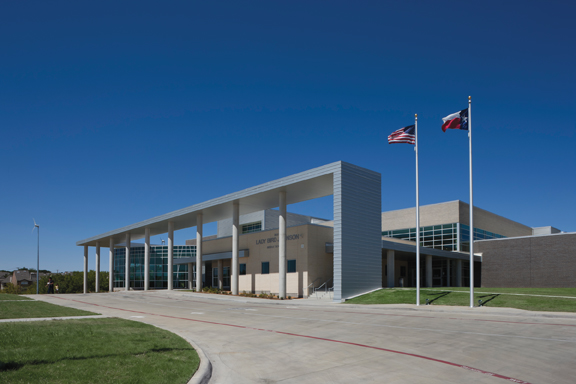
(357, 231)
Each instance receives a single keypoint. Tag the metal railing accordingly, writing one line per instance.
(311, 285)
(325, 286)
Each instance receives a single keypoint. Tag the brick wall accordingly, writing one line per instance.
(537, 261)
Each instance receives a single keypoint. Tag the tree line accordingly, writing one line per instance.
(69, 282)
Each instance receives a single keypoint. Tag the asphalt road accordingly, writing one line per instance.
(308, 341)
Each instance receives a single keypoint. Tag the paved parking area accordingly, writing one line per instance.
(307, 341)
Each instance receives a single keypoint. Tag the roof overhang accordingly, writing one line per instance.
(308, 185)
(411, 248)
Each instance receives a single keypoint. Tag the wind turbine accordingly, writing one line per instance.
(37, 257)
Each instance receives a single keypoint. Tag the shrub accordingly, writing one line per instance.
(14, 289)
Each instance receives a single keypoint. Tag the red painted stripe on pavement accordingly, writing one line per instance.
(315, 338)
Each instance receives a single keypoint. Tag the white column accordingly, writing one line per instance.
(390, 267)
(127, 264)
(458, 237)
(199, 234)
(190, 275)
(428, 270)
(235, 246)
(448, 273)
(146, 258)
(85, 269)
(111, 266)
(97, 280)
(220, 274)
(282, 245)
(170, 255)
(458, 273)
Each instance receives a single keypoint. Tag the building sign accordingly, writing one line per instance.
(272, 242)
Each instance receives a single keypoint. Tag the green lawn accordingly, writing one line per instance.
(10, 297)
(25, 308)
(491, 297)
(106, 350)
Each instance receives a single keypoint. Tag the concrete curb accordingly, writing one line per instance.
(204, 372)
(53, 318)
(495, 311)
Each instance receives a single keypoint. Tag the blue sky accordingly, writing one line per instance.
(113, 112)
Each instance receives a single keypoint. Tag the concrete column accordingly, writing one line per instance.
(428, 270)
(199, 234)
(235, 246)
(391, 268)
(111, 266)
(190, 275)
(85, 269)
(146, 258)
(282, 245)
(127, 265)
(458, 237)
(458, 273)
(170, 255)
(220, 274)
(97, 281)
(448, 273)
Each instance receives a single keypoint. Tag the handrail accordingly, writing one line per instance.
(312, 285)
(325, 285)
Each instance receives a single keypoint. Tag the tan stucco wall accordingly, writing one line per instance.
(305, 244)
(443, 213)
(453, 212)
(492, 222)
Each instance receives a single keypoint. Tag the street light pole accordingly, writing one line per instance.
(37, 258)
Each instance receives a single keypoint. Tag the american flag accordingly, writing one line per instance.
(403, 135)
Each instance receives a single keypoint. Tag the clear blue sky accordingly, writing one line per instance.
(113, 112)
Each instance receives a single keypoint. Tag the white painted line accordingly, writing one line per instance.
(196, 313)
(138, 317)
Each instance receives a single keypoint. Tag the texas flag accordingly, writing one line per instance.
(458, 120)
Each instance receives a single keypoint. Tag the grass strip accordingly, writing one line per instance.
(12, 297)
(108, 350)
(34, 309)
(498, 297)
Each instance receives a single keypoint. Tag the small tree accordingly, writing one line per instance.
(11, 288)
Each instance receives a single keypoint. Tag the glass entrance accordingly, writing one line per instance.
(215, 277)
(226, 278)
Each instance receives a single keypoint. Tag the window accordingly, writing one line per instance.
(251, 227)
(265, 267)
(291, 266)
(242, 269)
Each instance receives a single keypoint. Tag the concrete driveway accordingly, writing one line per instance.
(308, 341)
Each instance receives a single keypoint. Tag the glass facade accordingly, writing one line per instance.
(444, 236)
(252, 227)
(158, 266)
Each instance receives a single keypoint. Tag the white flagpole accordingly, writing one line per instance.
(417, 216)
(471, 206)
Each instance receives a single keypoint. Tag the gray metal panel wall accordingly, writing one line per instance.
(357, 231)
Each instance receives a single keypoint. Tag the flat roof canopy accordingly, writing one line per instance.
(308, 185)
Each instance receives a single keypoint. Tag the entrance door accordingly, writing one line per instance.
(437, 277)
(215, 277)
(226, 278)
